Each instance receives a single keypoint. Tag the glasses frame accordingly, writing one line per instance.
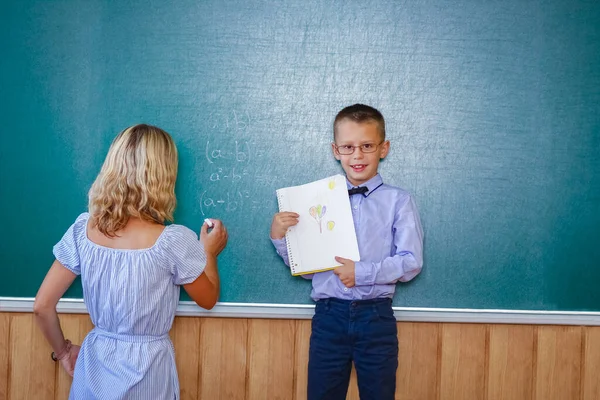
(337, 148)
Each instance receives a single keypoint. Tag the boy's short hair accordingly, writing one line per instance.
(361, 113)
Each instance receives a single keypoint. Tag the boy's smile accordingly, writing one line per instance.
(364, 141)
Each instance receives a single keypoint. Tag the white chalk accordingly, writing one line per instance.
(209, 223)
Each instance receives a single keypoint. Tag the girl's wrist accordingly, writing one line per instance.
(63, 353)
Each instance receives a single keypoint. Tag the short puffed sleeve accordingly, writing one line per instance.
(185, 254)
(67, 250)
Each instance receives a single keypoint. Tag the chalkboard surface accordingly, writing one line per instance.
(492, 109)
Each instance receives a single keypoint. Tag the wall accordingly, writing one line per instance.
(492, 109)
(256, 359)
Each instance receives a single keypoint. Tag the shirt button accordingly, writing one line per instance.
(345, 289)
(356, 207)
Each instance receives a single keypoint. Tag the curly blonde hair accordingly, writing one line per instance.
(137, 180)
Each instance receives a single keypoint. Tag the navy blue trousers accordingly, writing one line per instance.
(363, 332)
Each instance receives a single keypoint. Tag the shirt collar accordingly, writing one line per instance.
(371, 184)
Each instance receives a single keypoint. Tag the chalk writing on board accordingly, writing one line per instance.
(239, 152)
(267, 180)
(231, 162)
(232, 174)
(234, 120)
(230, 202)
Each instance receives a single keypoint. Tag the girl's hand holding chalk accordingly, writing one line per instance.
(214, 240)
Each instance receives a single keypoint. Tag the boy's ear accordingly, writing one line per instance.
(385, 149)
(335, 153)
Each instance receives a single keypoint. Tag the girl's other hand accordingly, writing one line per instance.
(68, 360)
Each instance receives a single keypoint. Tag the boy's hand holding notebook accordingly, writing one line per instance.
(325, 228)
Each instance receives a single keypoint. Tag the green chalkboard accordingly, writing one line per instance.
(492, 108)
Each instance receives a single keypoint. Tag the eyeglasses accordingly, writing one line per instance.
(347, 149)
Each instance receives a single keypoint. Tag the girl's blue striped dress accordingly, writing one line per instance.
(131, 296)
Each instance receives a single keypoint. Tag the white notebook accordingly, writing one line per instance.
(325, 228)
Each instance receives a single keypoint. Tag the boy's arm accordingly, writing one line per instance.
(281, 248)
(407, 261)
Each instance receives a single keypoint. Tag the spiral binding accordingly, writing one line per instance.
(293, 264)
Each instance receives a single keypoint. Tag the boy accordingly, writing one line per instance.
(354, 320)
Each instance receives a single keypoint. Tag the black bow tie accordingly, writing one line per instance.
(358, 190)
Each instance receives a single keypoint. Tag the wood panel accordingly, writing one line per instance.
(353, 386)
(462, 374)
(31, 370)
(302, 342)
(4, 354)
(223, 359)
(558, 367)
(185, 335)
(591, 364)
(271, 359)
(419, 363)
(511, 355)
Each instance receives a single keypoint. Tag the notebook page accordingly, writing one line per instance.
(325, 228)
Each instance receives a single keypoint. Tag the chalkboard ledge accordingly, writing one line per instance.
(305, 311)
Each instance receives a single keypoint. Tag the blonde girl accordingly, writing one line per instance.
(132, 266)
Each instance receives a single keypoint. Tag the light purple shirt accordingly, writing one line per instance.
(390, 242)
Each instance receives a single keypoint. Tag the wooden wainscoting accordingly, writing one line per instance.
(227, 358)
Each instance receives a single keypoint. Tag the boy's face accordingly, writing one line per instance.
(360, 166)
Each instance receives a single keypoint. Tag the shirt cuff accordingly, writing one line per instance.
(363, 273)
(279, 243)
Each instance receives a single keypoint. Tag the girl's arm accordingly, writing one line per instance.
(55, 284)
(205, 289)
